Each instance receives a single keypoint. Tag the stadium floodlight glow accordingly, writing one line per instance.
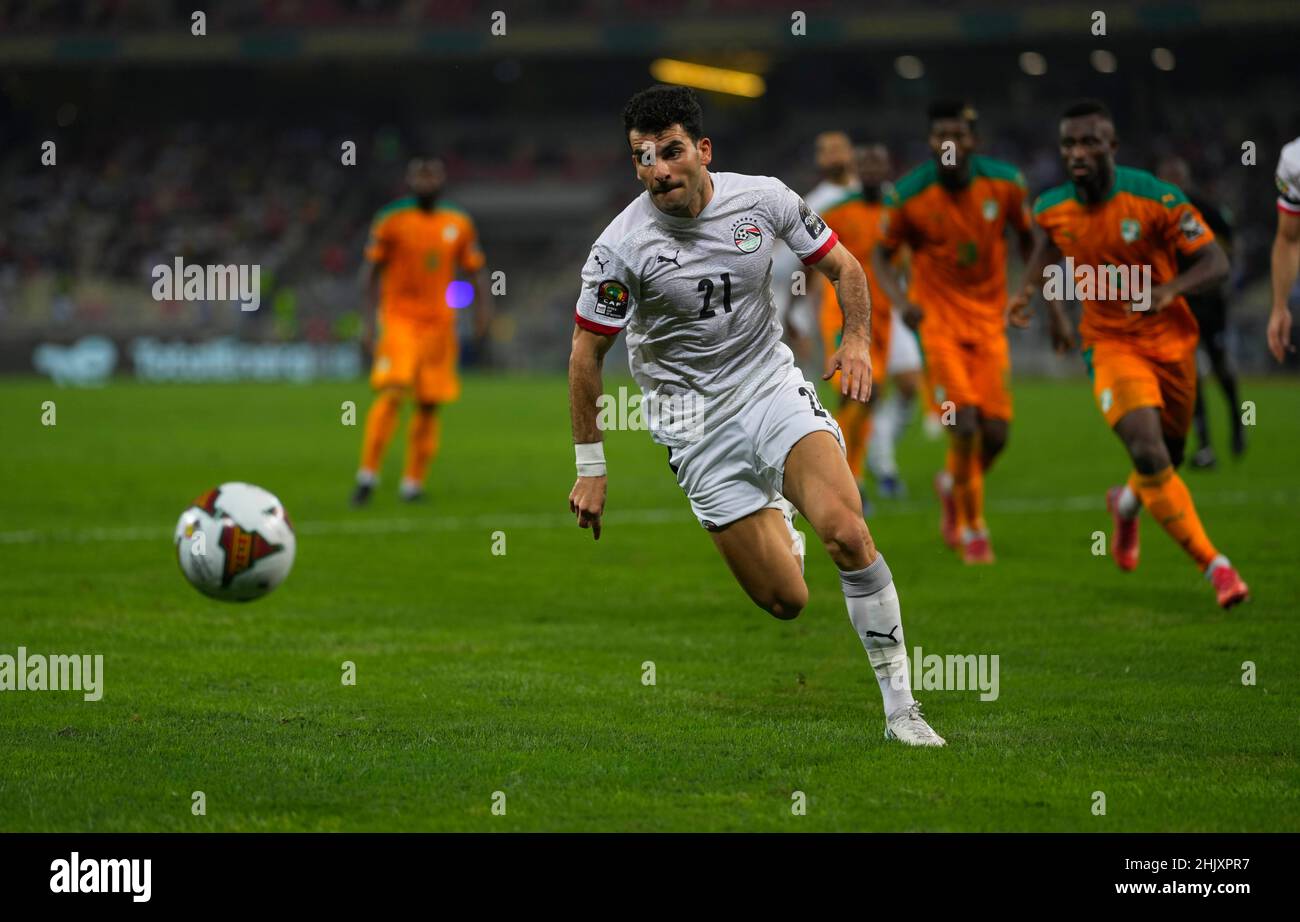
(1162, 58)
(1103, 61)
(706, 77)
(1033, 63)
(909, 67)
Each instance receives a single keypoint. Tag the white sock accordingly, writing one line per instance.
(902, 414)
(366, 478)
(1129, 505)
(874, 613)
(1219, 561)
(409, 487)
(880, 452)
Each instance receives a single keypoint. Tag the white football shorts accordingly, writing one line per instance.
(738, 467)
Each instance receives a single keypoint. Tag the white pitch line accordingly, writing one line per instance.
(682, 514)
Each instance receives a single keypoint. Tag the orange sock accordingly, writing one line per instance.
(381, 420)
(964, 464)
(421, 445)
(976, 493)
(1167, 499)
(854, 419)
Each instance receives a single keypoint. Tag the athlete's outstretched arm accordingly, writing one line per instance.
(1286, 266)
(1209, 266)
(853, 357)
(1020, 308)
(586, 359)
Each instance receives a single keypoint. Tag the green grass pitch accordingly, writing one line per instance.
(521, 673)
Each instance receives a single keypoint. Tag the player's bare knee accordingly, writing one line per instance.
(1175, 448)
(1149, 454)
(992, 443)
(786, 602)
(847, 540)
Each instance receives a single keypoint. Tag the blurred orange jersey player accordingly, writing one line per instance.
(858, 219)
(1139, 335)
(417, 248)
(954, 212)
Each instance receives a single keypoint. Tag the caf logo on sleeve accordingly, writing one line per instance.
(611, 299)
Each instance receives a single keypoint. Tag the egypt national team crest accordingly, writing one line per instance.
(611, 299)
(243, 549)
(989, 209)
(747, 235)
(1130, 230)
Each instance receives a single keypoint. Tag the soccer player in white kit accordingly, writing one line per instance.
(1286, 250)
(685, 269)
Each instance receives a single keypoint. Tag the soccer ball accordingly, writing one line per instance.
(235, 543)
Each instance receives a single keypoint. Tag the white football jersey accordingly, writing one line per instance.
(1288, 178)
(695, 295)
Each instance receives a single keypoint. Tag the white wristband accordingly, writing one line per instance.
(591, 459)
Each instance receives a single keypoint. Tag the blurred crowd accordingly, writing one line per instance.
(78, 240)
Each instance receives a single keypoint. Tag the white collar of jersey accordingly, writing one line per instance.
(708, 209)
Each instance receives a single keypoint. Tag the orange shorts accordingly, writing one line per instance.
(832, 326)
(1124, 380)
(417, 357)
(970, 374)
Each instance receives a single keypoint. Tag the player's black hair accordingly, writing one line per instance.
(1088, 107)
(660, 107)
(952, 108)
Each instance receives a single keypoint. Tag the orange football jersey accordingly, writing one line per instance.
(1143, 222)
(860, 225)
(420, 252)
(959, 270)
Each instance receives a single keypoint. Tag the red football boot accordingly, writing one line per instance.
(1124, 539)
(1229, 586)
